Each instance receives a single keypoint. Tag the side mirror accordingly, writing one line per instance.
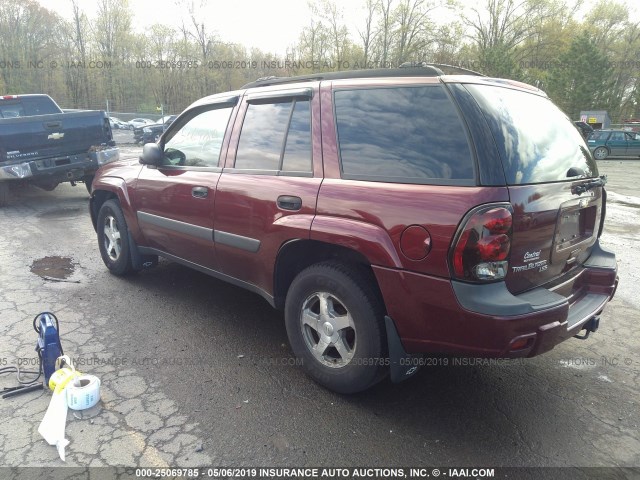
(575, 172)
(151, 154)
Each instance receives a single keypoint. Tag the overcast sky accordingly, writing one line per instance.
(271, 25)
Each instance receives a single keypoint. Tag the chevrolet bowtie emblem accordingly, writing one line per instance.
(55, 136)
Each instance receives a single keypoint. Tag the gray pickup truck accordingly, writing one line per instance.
(44, 146)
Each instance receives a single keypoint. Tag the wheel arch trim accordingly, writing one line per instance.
(371, 241)
(107, 187)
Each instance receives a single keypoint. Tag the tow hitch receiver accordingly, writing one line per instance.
(590, 326)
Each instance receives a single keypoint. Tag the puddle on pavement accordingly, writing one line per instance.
(54, 267)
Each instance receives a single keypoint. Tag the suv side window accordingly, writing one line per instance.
(198, 142)
(276, 137)
(406, 134)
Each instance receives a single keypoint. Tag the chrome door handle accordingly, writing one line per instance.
(199, 192)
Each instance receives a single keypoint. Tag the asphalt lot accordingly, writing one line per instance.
(196, 372)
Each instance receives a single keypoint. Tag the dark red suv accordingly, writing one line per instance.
(389, 213)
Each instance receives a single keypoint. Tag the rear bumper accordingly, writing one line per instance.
(60, 169)
(442, 316)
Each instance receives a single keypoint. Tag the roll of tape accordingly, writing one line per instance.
(60, 378)
(83, 392)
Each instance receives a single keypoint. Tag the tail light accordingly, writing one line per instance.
(106, 126)
(482, 245)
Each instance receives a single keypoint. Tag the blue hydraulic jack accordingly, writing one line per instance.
(49, 349)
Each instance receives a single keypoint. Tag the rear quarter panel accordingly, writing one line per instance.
(387, 209)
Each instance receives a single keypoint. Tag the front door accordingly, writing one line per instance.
(175, 200)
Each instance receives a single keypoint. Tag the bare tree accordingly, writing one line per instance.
(412, 27)
(385, 34)
(367, 34)
(205, 40)
(28, 37)
(331, 15)
(313, 47)
(79, 39)
(111, 27)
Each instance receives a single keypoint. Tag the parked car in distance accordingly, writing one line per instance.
(138, 122)
(606, 143)
(584, 128)
(116, 123)
(389, 213)
(151, 133)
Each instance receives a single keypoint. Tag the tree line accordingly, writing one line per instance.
(584, 54)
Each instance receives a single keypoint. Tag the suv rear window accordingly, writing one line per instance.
(536, 140)
(405, 134)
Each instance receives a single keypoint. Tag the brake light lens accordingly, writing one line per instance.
(481, 251)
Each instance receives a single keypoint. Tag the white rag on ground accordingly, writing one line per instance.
(54, 422)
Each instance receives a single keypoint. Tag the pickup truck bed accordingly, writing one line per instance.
(41, 145)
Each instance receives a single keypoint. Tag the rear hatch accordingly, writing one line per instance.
(553, 183)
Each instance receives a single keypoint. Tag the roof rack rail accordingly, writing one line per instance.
(445, 67)
(421, 71)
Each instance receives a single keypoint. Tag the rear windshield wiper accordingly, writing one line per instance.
(583, 187)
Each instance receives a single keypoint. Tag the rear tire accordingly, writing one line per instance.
(4, 193)
(335, 324)
(113, 239)
(600, 153)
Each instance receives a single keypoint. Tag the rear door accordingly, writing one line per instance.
(555, 223)
(267, 193)
(617, 143)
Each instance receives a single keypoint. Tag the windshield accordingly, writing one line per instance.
(536, 140)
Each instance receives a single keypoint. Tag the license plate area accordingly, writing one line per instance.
(575, 226)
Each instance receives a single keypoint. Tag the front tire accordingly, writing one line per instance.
(600, 153)
(335, 324)
(113, 238)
